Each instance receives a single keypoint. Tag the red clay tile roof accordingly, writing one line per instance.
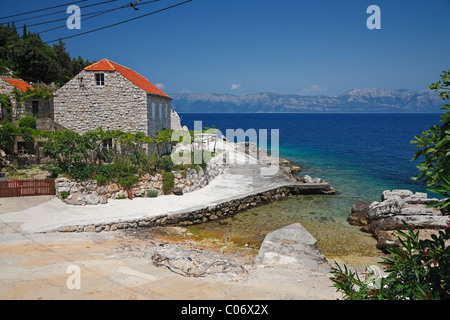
(19, 84)
(134, 77)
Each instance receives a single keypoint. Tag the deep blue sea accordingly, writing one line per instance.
(359, 154)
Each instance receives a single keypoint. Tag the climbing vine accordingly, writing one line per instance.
(36, 94)
(5, 101)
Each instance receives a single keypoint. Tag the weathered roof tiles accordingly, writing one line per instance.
(19, 84)
(134, 77)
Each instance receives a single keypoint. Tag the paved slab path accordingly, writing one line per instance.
(33, 265)
(237, 181)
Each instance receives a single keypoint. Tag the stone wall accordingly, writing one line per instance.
(209, 213)
(187, 181)
(5, 87)
(45, 109)
(158, 114)
(81, 105)
(19, 110)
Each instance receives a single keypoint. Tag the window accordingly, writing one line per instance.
(107, 144)
(35, 108)
(153, 110)
(100, 79)
(160, 111)
(4, 112)
(21, 148)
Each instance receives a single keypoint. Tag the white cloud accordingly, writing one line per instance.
(313, 89)
(160, 86)
(235, 86)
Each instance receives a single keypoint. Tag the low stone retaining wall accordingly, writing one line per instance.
(208, 213)
(89, 192)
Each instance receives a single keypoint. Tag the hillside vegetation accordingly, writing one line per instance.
(31, 59)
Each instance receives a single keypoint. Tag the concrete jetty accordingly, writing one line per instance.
(239, 187)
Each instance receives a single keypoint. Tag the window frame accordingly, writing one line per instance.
(100, 82)
(22, 147)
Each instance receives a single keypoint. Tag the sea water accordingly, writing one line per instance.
(360, 155)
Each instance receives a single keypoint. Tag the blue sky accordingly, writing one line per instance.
(245, 46)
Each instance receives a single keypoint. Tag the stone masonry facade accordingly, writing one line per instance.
(118, 104)
(39, 108)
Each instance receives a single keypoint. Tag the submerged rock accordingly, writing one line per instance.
(359, 213)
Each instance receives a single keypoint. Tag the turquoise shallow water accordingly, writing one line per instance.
(359, 154)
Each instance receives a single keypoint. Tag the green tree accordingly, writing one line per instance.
(13, 28)
(66, 149)
(78, 64)
(64, 62)
(9, 132)
(433, 148)
(34, 60)
(8, 39)
(7, 137)
(24, 30)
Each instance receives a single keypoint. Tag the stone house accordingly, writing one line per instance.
(114, 97)
(39, 108)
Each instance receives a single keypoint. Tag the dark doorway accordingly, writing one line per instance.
(35, 108)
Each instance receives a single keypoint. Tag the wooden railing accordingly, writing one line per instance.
(29, 187)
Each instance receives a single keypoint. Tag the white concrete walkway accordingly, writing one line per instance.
(237, 181)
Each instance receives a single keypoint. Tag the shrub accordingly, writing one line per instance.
(417, 270)
(64, 194)
(104, 173)
(433, 149)
(8, 134)
(152, 193)
(80, 171)
(168, 182)
(127, 181)
(27, 122)
(101, 179)
(166, 163)
(122, 166)
(148, 163)
(124, 172)
(54, 171)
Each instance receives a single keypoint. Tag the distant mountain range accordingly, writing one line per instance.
(356, 100)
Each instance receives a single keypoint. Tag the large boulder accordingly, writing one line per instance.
(395, 194)
(359, 215)
(308, 179)
(292, 244)
(92, 199)
(396, 208)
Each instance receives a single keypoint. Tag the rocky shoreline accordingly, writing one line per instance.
(382, 219)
